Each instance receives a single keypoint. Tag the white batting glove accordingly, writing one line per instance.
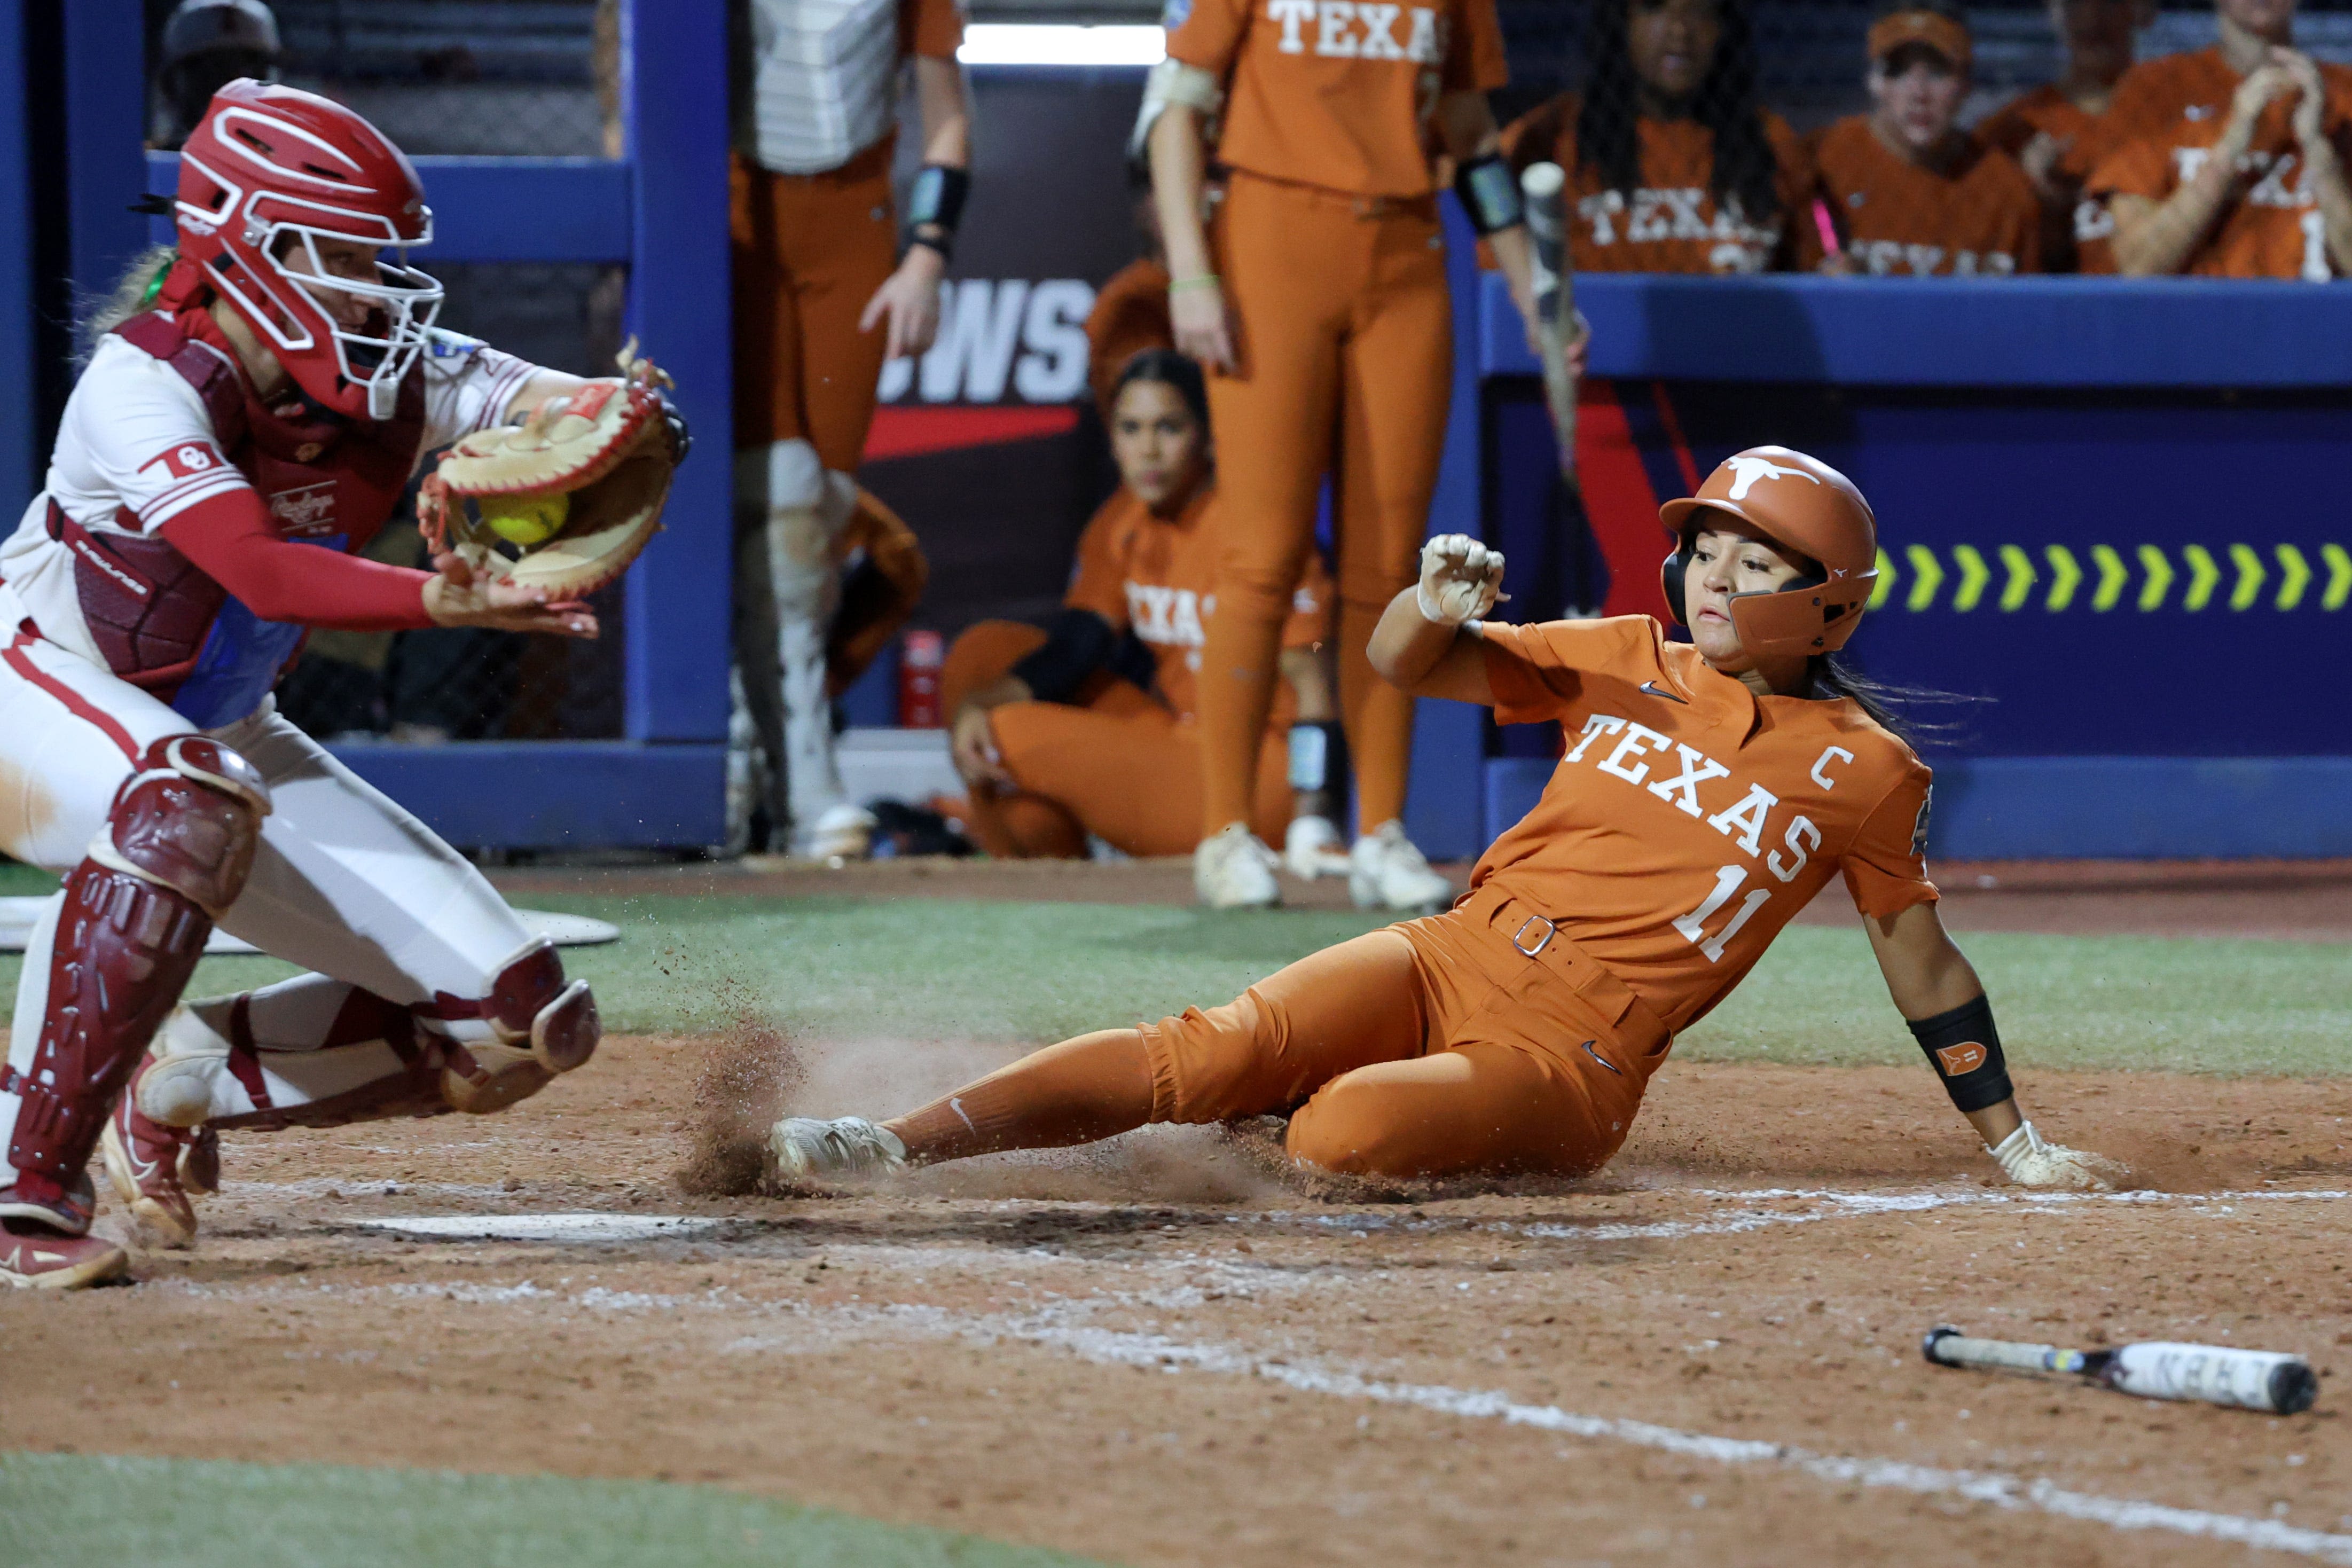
(1461, 579)
(2030, 1163)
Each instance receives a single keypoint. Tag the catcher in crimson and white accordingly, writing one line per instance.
(246, 425)
(1709, 791)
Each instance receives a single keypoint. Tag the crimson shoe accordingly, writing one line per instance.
(154, 1169)
(35, 1257)
(69, 1213)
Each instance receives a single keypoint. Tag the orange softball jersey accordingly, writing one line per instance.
(1671, 221)
(1689, 819)
(2167, 115)
(1338, 93)
(1157, 577)
(2084, 138)
(1978, 219)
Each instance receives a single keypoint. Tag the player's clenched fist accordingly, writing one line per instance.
(1461, 579)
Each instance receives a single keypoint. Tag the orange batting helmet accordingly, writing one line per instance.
(1804, 505)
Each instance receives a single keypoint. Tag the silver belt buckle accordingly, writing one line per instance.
(1519, 938)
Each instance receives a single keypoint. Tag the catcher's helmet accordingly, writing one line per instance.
(271, 161)
(1806, 506)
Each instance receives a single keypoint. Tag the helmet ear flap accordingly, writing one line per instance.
(1671, 573)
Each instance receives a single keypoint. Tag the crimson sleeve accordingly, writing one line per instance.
(229, 539)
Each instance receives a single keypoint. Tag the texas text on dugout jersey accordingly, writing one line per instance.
(1338, 93)
(1156, 578)
(1981, 216)
(2162, 125)
(1690, 819)
(138, 448)
(1671, 221)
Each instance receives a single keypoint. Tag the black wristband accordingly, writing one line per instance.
(1078, 642)
(1964, 1047)
(935, 198)
(1490, 194)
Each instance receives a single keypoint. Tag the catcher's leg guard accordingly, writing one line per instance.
(539, 1027)
(175, 851)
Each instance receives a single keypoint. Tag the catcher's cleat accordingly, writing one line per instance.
(802, 1149)
(34, 1257)
(1313, 848)
(67, 1210)
(1231, 870)
(157, 1171)
(1387, 871)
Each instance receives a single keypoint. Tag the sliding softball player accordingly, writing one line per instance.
(824, 295)
(1709, 791)
(232, 443)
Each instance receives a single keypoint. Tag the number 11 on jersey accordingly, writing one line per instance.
(1727, 882)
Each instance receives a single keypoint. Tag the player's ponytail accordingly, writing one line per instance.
(1895, 708)
(131, 293)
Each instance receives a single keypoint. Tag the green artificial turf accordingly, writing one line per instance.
(1019, 973)
(69, 1510)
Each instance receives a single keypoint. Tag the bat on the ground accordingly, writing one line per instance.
(1543, 187)
(2217, 1374)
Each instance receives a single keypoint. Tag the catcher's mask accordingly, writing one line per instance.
(1806, 506)
(275, 164)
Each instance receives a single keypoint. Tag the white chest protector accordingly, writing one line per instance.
(823, 81)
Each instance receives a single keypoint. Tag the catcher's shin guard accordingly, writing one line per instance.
(538, 1026)
(175, 851)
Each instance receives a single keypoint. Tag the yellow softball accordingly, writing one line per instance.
(526, 520)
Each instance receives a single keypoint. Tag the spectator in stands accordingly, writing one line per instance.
(1907, 192)
(2058, 132)
(1671, 166)
(2229, 162)
(1130, 314)
(206, 44)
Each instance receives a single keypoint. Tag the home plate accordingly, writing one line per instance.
(544, 1226)
(17, 915)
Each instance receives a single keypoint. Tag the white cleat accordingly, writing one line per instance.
(1386, 872)
(1231, 870)
(840, 833)
(1313, 848)
(802, 1149)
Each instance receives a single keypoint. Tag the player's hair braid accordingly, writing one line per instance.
(1745, 168)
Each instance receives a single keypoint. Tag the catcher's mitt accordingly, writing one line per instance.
(607, 447)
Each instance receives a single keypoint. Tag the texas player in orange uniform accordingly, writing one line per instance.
(1088, 726)
(1130, 310)
(2229, 162)
(2058, 132)
(1708, 792)
(1913, 194)
(1317, 298)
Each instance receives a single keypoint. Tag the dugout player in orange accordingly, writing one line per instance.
(1709, 791)
(2229, 162)
(1130, 311)
(1318, 300)
(1910, 193)
(1088, 726)
(1672, 165)
(2057, 132)
(824, 292)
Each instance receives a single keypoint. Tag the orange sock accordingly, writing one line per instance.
(1094, 1086)
(1379, 719)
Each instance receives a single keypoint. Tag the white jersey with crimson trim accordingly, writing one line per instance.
(136, 438)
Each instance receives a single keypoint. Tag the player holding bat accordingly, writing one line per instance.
(1709, 791)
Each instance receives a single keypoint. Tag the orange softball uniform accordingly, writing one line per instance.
(875, 605)
(1121, 761)
(1129, 316)
(1689, 822)
(2086, 138)
(2167, 115)
(1979, 218)
(1671, 221)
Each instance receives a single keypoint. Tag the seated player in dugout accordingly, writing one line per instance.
(2229, 162)
(1672, 165)
(1709, 790)
(2057, 132)
(1087, 727)
(1905, 191)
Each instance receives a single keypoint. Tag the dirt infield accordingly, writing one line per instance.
(1160, 1354)
(2305, 900)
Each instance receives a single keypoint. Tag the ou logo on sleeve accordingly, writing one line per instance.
(186, 460)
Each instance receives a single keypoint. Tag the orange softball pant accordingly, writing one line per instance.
(1353, 350)
(809, 251)
(1116, 764)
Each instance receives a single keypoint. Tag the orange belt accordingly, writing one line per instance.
(1539, 938)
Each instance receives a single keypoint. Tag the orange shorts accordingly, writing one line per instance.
(1461, 1044)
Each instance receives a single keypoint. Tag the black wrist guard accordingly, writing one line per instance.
(1965, 1049)
(935, 201)
(1316, 755)
(1490, 194)
(1078, 642)
(681, 439)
